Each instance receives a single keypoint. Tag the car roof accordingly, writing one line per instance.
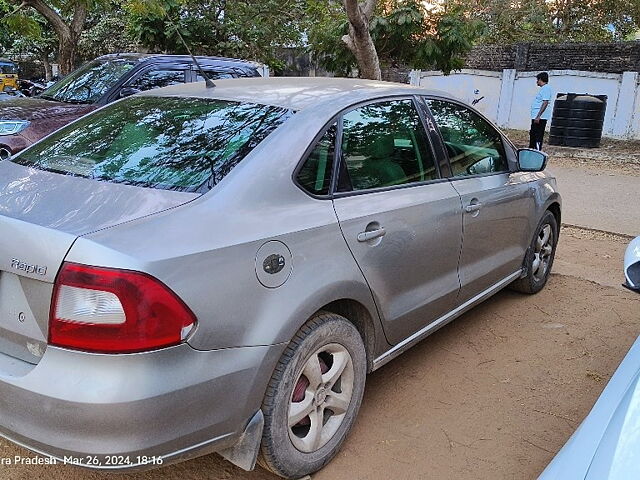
(159, 58)
(295, 93)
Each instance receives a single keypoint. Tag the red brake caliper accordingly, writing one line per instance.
(301, 387)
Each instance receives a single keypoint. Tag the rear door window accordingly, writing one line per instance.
(384, 144)
(185, 144)
(213, 75)
(157, 79)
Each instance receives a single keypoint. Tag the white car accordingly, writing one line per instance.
(606, 446)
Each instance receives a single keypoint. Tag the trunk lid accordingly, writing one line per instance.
(41, 215)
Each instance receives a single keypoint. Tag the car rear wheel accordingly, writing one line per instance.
(313, 397)
(540, 255)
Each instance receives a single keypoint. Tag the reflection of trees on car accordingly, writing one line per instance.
(385, 144)
(185, 144)
(89, 83)
(473, 145)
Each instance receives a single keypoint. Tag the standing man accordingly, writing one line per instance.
(540, 111)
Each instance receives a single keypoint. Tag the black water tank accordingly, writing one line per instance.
(577, 120)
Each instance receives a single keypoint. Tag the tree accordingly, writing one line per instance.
(6, 38)
(237, 28)
(359, 40)
(67, 18)
(517, 21)
(34, 40)
(404, 33)
(106, 31)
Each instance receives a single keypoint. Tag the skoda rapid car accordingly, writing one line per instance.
(197, 269)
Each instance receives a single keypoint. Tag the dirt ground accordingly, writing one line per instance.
(494, 395)
(619, 156)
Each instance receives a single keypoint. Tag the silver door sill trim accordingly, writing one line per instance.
(442, 321)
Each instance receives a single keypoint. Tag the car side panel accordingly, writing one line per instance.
(212, 265)
(412, 269)
(496, 237)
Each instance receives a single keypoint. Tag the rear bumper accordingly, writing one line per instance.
(133, 411)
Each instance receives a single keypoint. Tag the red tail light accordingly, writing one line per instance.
(115, 311)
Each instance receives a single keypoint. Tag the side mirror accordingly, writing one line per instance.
(128, 91)
(530, 160)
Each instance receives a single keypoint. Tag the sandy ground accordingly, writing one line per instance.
(599, 199)
(600, 186)
(494, 395)
(613, 156)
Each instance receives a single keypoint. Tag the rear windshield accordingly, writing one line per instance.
(184, 144)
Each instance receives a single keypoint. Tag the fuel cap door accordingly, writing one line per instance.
(273, 264)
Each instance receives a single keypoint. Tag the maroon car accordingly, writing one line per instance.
(24, 121)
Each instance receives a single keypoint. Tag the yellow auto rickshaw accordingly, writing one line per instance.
(8, 75)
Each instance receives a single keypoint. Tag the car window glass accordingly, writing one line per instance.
(385, 144)
(213, 75)
(157, 79)
(88, 83)
(185, 144)
(474, 146)
(315, 174)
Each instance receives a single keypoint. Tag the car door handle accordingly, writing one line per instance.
(474, 207)
(370, 235)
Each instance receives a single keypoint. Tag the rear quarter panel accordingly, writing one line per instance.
(206, 250)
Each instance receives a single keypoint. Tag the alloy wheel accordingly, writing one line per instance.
(542, 253)
(321, 398)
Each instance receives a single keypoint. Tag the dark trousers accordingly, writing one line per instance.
(536, 134)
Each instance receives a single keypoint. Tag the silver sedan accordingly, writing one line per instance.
(202, 269)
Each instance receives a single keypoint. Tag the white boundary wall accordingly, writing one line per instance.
(505, 97)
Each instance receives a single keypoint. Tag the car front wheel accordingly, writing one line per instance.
(540, 255)
(313, 397)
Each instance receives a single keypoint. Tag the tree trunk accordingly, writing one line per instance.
(66, 54)
(48, 71)
(68, 35)
(359, 40)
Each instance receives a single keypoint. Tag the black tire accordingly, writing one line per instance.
(532, 282)
(278, 452)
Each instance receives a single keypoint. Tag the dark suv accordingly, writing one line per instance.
(24, 121)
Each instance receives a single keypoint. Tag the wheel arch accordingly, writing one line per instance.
(554, 207)
(356, 313)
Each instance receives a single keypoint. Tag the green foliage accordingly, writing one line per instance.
(404, 32)
(28, 35)
(511, 21)
(106, 31)
(325, 24)
(236, 28)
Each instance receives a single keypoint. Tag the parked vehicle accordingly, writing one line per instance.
(108, 78)
(606, 445)
(216, 269)
(32, 88)
(8, 75)
(632, 265)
